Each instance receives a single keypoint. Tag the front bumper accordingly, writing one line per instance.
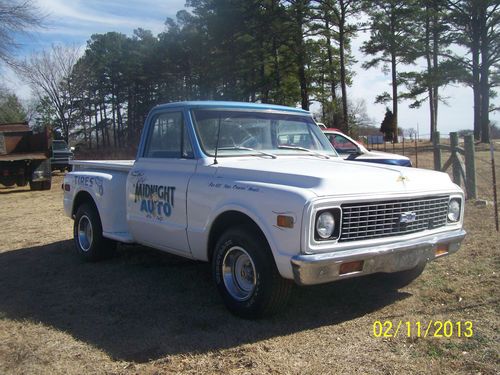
(60, 162)
(310, 269)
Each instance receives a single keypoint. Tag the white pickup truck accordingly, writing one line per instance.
(258, 191)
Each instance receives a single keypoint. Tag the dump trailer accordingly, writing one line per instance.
(24, 157)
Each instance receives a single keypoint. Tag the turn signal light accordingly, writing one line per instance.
(350, 267)
(67, 187)
(285, 221)
(441, 250)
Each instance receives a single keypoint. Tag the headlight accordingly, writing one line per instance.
(325, 225)
(454, 210)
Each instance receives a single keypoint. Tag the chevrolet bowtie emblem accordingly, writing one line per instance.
(407, 217)
(403, 179)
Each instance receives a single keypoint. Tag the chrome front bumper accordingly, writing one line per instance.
(310, 269)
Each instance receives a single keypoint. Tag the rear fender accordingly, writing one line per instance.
(107, 192)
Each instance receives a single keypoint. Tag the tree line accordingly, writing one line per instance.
(289, 52)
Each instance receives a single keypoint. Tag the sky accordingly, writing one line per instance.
(74, 21)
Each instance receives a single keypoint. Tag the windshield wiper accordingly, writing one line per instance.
(304, 149)
(248, 149)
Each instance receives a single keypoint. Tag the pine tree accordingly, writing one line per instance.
(11, 110)
(387, 125)
(477, 27)
(392, 42)
(432, 39)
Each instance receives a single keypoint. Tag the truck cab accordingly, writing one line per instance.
(60, 155)
(258, 191)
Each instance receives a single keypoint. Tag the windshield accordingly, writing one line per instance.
(258, 133)
(59, 145)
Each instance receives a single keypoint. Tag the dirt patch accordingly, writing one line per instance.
(148, 312)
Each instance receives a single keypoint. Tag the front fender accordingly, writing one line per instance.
(284, 242)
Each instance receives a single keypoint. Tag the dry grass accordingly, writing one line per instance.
(151, 313)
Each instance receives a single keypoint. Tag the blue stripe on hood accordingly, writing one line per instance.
(400, 162)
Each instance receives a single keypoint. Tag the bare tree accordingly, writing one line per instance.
(16, 17)
(411, 133)
(49, 73)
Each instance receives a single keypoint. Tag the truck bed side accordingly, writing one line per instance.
(103, 165)
(105, 182)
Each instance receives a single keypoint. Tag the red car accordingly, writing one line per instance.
(349, 149)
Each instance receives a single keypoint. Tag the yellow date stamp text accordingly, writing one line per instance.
(433, 328)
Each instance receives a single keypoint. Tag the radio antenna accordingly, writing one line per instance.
(217, 142)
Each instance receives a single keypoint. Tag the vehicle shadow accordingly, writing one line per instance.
(144, 304)
(14, 190)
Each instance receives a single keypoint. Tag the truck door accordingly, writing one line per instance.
(157, 185)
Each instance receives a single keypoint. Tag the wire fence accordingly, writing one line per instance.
(419, 149)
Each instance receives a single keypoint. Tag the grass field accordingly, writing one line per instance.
(145, 312)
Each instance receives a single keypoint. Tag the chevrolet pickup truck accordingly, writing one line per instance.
(259, 192)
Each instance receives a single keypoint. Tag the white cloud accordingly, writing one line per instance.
(76, 11)
(12, 82)
(83, 18)
(79, 12)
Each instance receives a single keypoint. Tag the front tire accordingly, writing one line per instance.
(246, 275)
(36, 185)
(87, 235)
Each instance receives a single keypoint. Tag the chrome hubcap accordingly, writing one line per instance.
(238, 271)
(85, 233)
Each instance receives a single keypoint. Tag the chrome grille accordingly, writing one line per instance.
(362, 221)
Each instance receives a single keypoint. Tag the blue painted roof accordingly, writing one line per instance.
(225, 104)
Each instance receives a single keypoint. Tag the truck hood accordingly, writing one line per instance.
(334, 176)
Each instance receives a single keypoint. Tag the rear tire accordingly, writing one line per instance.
(21, 181)
(87, 235)
(246, 275)
(8, 181)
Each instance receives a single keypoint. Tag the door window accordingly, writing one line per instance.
(168, 138)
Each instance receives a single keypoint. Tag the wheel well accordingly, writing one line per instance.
(81, 198)
(223, 222)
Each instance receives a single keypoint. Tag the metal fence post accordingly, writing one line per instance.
(494, 182)
(470, 167)
(454, 157)
(437, 151)
(416, 152)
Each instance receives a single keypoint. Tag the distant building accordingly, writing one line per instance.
(375, 139)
